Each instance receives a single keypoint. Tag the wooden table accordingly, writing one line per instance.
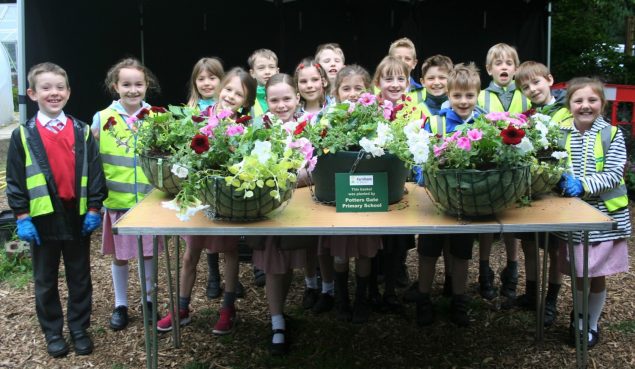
(415, 214)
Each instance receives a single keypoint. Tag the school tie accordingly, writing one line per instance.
(55, 126)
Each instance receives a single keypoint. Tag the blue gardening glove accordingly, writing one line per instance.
(27, 231)
(92, 221)
(571, 187)
(418, 175)
(563, 180)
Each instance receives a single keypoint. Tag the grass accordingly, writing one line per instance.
(16, 272)
(624, 326)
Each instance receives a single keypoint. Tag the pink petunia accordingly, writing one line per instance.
(474, 134)
(454, 137)
(367, 99)
(225, 113)
(438, 150)
(516, 122)
(464, 143)
(497, 116)
(208, 130)
(235, 129)
(212, 121)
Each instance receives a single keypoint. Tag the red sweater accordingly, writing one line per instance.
(60, 150)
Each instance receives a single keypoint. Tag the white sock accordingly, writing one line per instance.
(328, 287)
(120, 284)
(147, 263)
(277, 322)
(596, 304)
(311, 282)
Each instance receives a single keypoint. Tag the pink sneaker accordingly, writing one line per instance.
(225, 323)
(165, 324)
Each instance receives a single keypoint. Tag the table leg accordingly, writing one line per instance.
(543, 286)
(171, 301)
(144, 294)
(585, 301)
(155, 287)
(539, 325)
(574, 292)
(177, 260)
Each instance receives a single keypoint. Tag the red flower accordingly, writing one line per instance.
(266, 121)
(110, 123)
(323, 133)
(244, 119)
(529, 112)
(200, 143)
(158, 109)
(393, 114)
(143, 113)
(299, 128)
(197, 119)
(512, 135)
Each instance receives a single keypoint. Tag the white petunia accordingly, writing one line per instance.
(262, 150)
(179, 170)
(559, 154)
(525, 146)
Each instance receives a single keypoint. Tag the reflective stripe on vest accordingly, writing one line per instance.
(419, 96)
(616, 198)
(437, 125)
(519, 102)
(40, 202)
(126, 182)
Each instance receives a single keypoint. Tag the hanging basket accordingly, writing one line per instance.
(543, 180)
(470, 192)
(347, 162)
(157, 170)
(227, 203)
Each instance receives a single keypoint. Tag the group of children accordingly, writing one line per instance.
(59, 177)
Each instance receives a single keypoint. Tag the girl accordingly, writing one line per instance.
(597, 155)
(225, 244)
(127, 185)
(312, 83)
(350, 82)
(392, 80)
(206, 77)
(282, 100)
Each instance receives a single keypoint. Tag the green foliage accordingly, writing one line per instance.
(624, 326)
(14, 91)
(15, 271)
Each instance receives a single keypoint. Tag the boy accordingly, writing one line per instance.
(55, 187)
(500, 96)
(463, 87)
(263, 64)
(434, 78)
(404, 50)
(535, 81)
(331, 57)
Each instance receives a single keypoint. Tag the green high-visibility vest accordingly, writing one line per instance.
(40, 202)
(127, 184)
(563, 117)
(613, 199)
(492, 104)
(437, 125)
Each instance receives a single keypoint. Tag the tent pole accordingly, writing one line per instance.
(549, 35)
(21, 62)
(141, 32)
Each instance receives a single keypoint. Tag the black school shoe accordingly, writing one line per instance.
(486, 284)
(509, 282)
(310, 298)
(119, 318)
(324, 303)
(595, 335)
(459, 309)
(56, 346)
(425, 310)
(82, 342)
(279, 349)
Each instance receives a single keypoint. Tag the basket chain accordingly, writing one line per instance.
(160, 171)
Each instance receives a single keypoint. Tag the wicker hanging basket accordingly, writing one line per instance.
(543, 181)
(157, 170)
(470, 192)
(226, 203)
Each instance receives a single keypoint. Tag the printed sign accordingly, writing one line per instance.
(361, 192)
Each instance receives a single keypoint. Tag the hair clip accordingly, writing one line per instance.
(318, 66)
(301, 66)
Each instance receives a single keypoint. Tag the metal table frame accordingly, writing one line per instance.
(416, 214)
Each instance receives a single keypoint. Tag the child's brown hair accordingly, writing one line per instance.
(439, 61)
(46, 67)
(530, 69)
(261, 53)
(464, 77)
(351, 70)
(329, 46)
(390, 66)
(579, 83)
(403, 42)
(210, 65)
(112, 77)
(308, 62)
(246, 80)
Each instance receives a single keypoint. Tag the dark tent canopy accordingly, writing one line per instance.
(87, 37)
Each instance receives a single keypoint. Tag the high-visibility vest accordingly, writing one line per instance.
(420, 98)
(615, 198)
(489, 101)
(437, 125)
(563, 117)
(127, 184)
(256, 110)
(40, 202)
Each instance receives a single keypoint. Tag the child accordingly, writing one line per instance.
(404, 50)
(54, 153)
(263, 63)
(204, 85)
(597, 176)
(127, 185)
(351, 81)
(500, 96)
(204, 82)
(434, 77)
(312, 84)
(535, 80)
(331, 57)
(278, 265)
(240, 89)
(391, 78)
(463, 87)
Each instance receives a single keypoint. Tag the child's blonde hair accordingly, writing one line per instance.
(329, 46)
(579, 83)
(530, 69)
(308, 62)
(211, 65)
(46, 67)
(112, 76)
(439, 61)
(349, 71)
(499, 51)
(390, 66)
(464, 77)
(403, 42)
(246, 80)
(261, 53)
